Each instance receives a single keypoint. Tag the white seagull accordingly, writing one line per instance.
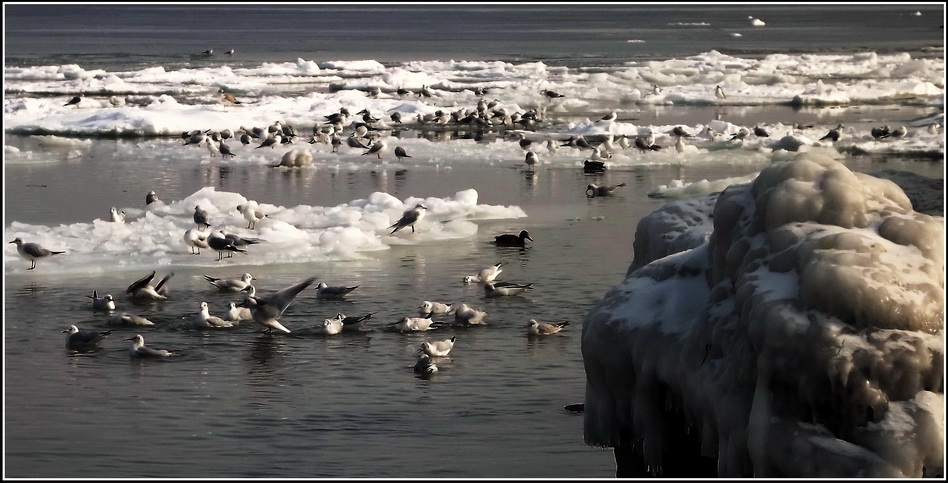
(504, 289)
(378, 148)
(196, 239)
(542, 328)
(413, 324)
(434, 308)
(231, 284)
(204, 319)
(142, 288)
(32, 251)
(324, 291)
(331, 326)
(238, 313)
(126, 318)
(267, 311)
(486, 275)
(139, 349)
(593, 190)
(104, 304)
(80, 339)
(438, 348)
(466, 316)
(200, 217)
(409, 218)
(252, 213)
(117, 217)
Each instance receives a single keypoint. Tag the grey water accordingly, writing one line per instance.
(243, 404)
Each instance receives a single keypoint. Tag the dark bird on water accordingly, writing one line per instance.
(511, 240)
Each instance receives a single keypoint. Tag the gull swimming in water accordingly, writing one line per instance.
(104, 304)
(117, 217)
(510, 240)
(486, 275)
(542, 328)
(238, 313)
(592, 190)
(33, 251)
(425, 365)
(139, 349)
(126, 318)
(204, 319)
(231, 284)
(409, 218)
(324, 291)
(266, 312)
(355, 322)
(81, 339)
(330, 326)
(142, 288)
(467, 316)
(434, 308)
(503, 289)
(413, 324)
(438, 348)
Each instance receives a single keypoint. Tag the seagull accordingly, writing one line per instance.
(486, 275)
(142, 288)
(353, 142)
(531, 159)
(834, 134)
(204, 320)
(82, 339)
(104, 304)
(898, 132)
(196, 239)
(719, 93)
(592, 190)
(238, 313)
(378, 148)
(267, 311)
(200, 217)
(413, 324)
(552, 95)
(740, 134)
(467, 316)
(324, 291)
(230, 52)
(32, 251)
(231, 284)
(221, 244)
(656, 90)
(610, 117)
(330, 326)
(151, 197)
(74, 101)
(409, 218)
(643, 145)
(552, 146)
(503, 289)
(680, 145)
(224, 149)
(227, 98)
(880, 132)
(400, 153)
(355, 322)
(760, 132)
(252, 213)
(425, 365)
(116, 216)
(526, 144)
(680, 132)
(271, 141)
(511, 240)
(139, 349)
(126, 318)
(439, 348)
(542, 328)
(434, 308)
(208, 52)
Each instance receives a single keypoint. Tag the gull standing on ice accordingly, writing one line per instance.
(117, 217)
(104, 304)
(486, 275)
(74, 101)
(151, 197)
(196, 239)
(834, 134)
(204, 320)
(324, 291)
(32, 251)
(719, 93)
(231, 284)
(542, 328)
(267, 311)
(142, 288)
(409, 218)
(139, 349)
(378, 148)
(221, 244)
(200, 217)
(252, 213)
(400, 153)
(81, 339)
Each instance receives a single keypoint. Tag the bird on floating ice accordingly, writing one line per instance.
(117, 217)
(409, 218)
(719, 93)
(33, 251)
